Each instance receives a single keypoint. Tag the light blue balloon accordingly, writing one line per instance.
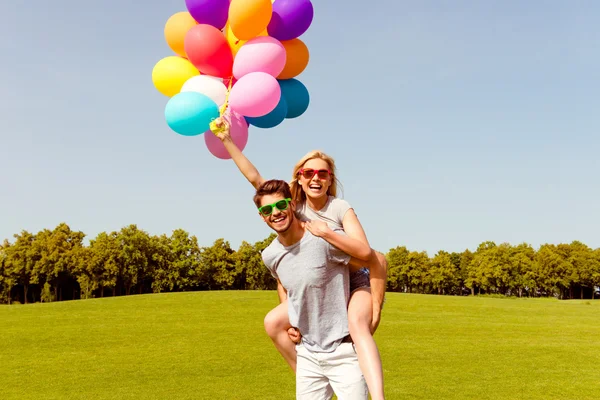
(190, 113)
(273, 118)
(296, 96)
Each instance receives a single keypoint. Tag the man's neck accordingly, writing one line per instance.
(293, 234)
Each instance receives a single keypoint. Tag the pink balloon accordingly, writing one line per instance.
(261, 54)
(239, 135)
(255, 94)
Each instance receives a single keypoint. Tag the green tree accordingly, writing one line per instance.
(161, 260)
(466, 257)
(19, 262)
(444, 277)
(596, 272)
(398, 274)
(522, 261)
(179, 264)
(218, 265)
(251, 271)
(83, 272)
(418, 271)
(6, 283)
(481, 269)
(582, 259)
(551, 269)
(103, 269)
(134, 257)
(60, 250)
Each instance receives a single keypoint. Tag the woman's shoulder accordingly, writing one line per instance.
(337, 202)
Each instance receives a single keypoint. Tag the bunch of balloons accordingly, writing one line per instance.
(236, 59)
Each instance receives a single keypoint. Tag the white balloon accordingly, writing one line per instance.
(207, 85)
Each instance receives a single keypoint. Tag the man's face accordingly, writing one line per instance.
(277, 212)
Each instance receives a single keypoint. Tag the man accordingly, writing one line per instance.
(315, 276)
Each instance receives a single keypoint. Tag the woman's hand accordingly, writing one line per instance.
(376, 319)
(319, 228)
(221, 129)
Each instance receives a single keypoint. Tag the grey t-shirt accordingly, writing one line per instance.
(315, 275)
(333, 213)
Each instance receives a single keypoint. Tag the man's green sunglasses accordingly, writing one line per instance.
(281, 205)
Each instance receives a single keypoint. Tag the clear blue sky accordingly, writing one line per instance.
(452, 123)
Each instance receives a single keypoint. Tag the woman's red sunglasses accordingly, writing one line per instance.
(309, 173)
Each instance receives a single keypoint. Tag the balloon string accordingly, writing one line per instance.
(213, 126)
(226, 104)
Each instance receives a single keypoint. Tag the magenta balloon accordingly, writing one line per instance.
(290, 19)
(255, 94)
(239, 135)
(209, 12)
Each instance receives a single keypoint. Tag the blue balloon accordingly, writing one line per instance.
(296, 96)
(273, 118)
(190, 113)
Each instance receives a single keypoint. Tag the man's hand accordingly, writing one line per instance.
(294, 335)
(318, 228)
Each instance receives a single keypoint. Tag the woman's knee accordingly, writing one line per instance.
(276, 321)
(380, 258)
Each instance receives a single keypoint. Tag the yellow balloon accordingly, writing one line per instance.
(236, 43)
(170, 73)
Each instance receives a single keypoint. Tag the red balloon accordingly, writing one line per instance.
(207, 48)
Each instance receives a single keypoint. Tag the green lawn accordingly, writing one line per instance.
(211, 345)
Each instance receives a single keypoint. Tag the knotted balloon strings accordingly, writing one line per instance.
(213, 125)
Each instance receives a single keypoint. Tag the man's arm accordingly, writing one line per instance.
(281, 292)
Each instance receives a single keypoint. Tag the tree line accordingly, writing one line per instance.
(56, 265)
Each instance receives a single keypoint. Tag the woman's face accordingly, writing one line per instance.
(315, 178)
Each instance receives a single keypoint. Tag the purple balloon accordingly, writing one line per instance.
(290, 19)
(209, 12)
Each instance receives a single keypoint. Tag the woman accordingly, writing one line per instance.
(314, 187)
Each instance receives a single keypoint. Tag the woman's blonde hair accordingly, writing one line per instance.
(298, 194)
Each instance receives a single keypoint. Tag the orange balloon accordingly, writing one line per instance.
(236, 43)
(296, 58)
(248, 18)
(175, 30)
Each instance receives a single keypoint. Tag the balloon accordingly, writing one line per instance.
(176, 28)
(190, 113)
(238, 131)
(291, 18)
(261, 54)
(208, 50)
(296, 95)
(255, 94)
(273, 118)
(210, 12)
(170, 73)
(248, 18)
(236, 43)
(208, 86)
(296, 58)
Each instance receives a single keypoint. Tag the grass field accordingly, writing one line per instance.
(211, 345)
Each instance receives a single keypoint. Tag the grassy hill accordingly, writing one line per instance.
(211, 345)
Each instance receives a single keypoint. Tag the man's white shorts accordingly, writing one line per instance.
(320, 375)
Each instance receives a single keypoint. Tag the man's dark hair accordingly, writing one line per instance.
(273, 186)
